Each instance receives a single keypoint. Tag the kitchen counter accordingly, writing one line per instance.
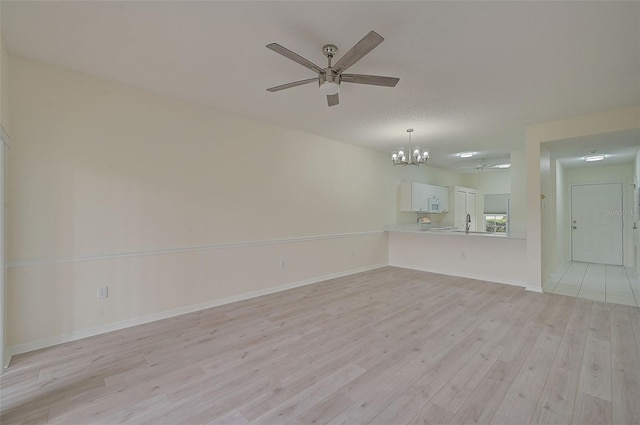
(481, 256)
(449, 231)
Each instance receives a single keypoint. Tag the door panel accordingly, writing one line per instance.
(461, 209)
(596, 223)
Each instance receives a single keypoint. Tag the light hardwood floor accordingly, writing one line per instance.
(389, 346)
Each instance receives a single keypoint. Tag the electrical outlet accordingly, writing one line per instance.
(103, 293)
(283, 264)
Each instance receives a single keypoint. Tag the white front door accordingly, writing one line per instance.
(596, 223)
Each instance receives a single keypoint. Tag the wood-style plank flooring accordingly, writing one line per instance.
(389, 346)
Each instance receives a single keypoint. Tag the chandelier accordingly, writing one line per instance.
(414, 156)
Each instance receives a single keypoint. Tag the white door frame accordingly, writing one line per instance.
(622, 203)
(4, 144)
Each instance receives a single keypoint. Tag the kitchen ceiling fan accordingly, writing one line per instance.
(481, 164)
(330, 78)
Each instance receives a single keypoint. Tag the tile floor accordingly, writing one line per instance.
(597, 282)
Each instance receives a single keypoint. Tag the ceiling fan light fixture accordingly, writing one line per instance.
(329, 88)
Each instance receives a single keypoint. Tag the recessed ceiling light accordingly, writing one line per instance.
(502, 166)
(465, 154)
(594, 158)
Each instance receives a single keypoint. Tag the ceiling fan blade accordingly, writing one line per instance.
(295, 57)
(375, 80)
(294, 84)
(357, 52)
(332, 99)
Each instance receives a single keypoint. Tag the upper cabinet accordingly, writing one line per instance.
(424, 198)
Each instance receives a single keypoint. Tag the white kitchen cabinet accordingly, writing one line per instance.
(413, 197)
(416, 197)
(465, 203)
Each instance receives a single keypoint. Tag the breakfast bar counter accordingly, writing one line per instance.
(475, 255)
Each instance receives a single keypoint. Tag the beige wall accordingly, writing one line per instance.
(494, 182)
(519, 187)
(174, 206)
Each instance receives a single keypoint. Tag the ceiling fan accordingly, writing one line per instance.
(330, 78)
(481, 164)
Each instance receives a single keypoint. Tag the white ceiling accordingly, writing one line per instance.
(472, 75)
(618, 147)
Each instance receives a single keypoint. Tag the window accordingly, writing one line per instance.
(495, 223)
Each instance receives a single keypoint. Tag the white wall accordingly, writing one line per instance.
(173, 205)
(597, 174)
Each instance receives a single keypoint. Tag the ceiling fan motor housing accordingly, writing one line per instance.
(329, 81)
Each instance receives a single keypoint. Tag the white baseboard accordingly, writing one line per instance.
(85, 333)
(534, 289)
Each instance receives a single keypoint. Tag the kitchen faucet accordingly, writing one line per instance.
(466, 230)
